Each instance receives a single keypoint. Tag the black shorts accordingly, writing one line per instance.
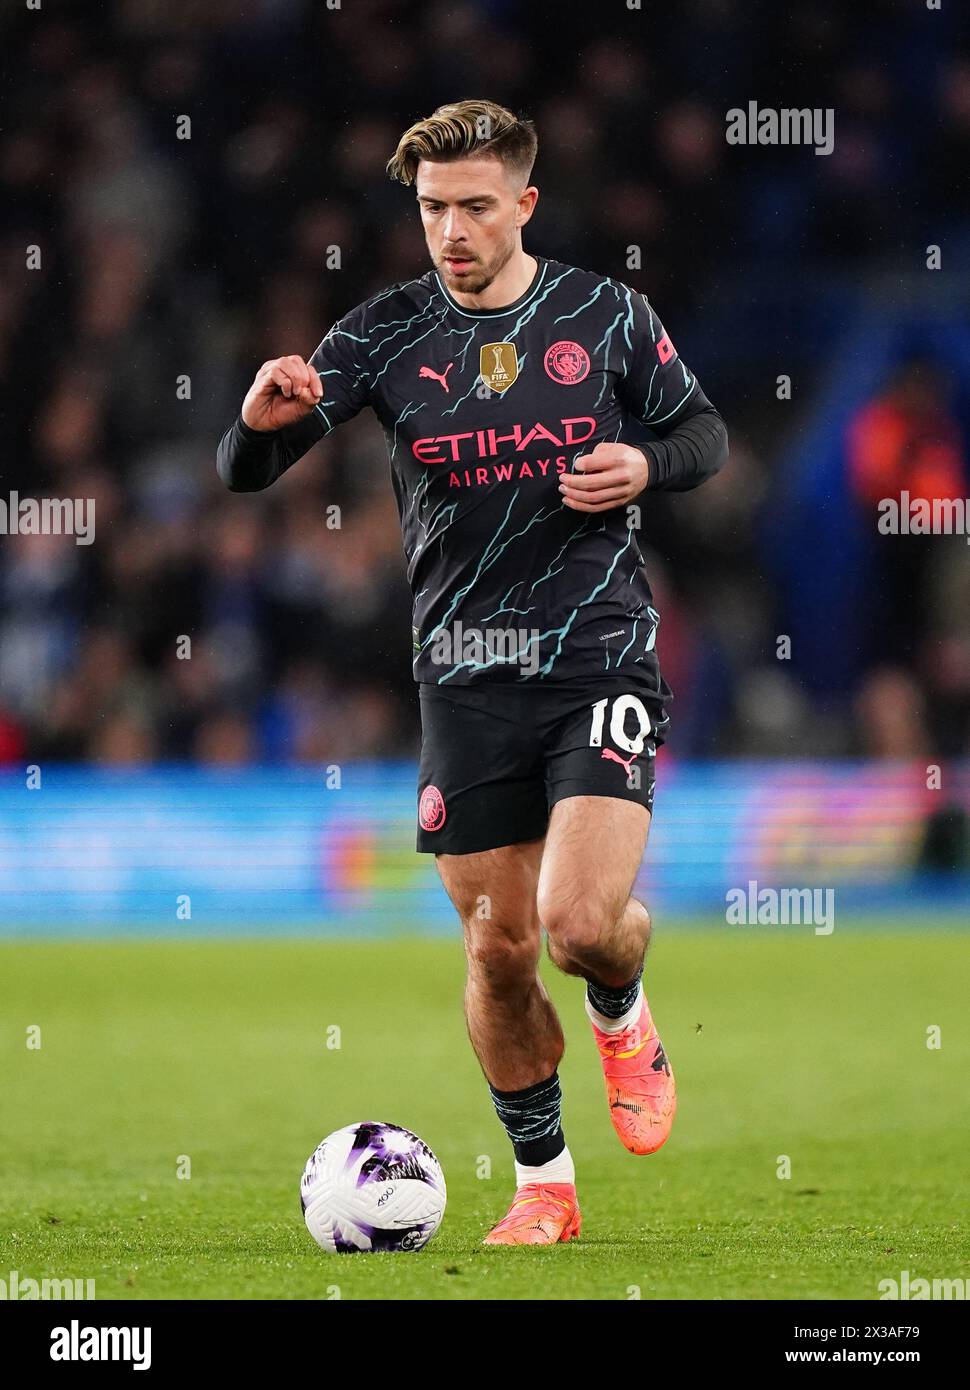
(496, 758)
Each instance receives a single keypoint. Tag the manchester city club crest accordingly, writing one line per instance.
(499, 365)
(567, 362)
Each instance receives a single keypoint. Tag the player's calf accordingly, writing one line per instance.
(516, 1034)
(640, 1085)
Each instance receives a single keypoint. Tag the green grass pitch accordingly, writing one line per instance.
(783, 1043)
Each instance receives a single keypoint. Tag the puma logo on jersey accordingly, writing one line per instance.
(438, 376)
(624, 762)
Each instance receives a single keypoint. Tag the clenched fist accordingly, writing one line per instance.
(285, 390)
(610, 476)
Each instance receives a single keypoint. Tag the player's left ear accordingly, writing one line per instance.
(526, 205)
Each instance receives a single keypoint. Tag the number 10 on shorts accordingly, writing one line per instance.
(622, 705)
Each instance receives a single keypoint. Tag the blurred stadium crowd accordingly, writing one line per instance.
(199, 258)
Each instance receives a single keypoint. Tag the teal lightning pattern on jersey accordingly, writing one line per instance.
(483, 411)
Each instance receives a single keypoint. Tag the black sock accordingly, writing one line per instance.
(613, 1002)
(532, 1120)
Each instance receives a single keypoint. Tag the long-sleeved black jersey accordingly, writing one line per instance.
(482, 411)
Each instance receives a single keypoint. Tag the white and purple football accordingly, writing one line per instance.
(372, 1186)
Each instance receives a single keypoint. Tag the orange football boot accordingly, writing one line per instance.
(639, 1083)
(542, 1213)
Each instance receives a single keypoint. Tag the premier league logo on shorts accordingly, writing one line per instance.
(431, 809)
(567, 363)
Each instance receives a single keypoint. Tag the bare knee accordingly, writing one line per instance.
(583, 934)
(501, 959)
(493, 893)
(578, 930)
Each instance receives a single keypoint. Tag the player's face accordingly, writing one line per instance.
(472, 215)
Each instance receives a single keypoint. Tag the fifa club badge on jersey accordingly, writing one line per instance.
(498, 365)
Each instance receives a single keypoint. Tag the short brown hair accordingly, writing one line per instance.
(464, 128)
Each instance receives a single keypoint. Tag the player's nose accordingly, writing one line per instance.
(452, 230)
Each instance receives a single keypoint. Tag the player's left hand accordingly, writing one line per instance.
(610, 476)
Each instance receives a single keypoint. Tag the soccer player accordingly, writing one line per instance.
(505, 383)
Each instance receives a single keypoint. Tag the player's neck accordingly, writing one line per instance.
(509, 285)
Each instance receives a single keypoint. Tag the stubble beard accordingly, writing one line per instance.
(481, 277)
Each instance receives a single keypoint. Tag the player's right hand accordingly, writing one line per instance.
(285, 390)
